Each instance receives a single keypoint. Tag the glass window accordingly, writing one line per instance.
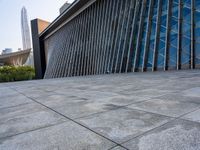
(186, 34)
(173, 36)
(152, 36)
(197, 31)
(141, 49)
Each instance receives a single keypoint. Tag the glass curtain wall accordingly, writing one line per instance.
(117, 36)
(186, 34)
(197, 32)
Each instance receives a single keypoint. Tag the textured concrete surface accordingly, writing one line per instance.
(140, 111)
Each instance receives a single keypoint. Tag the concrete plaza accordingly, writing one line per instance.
(136, 111)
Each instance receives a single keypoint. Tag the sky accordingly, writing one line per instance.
(10, 16)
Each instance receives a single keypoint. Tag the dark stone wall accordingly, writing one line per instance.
(37, 26)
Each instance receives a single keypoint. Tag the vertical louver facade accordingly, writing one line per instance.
(119, 36)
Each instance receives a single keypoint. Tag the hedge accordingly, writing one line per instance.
(11, 73)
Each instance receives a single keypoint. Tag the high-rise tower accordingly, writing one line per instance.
(26, 40)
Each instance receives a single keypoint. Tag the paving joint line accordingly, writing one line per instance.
(170, 121)
(44, 127)
(117, 146)
(101, 112)
(74, 121)
(15, 106)
(151, 112)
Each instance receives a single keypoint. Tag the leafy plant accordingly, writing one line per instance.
(12, 73)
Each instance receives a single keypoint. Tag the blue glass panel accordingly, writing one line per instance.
(187, 3)
(152, 37)
(174, 24)
(186, 33)
(197, 54)
(164, 19)
(176, 1)
(184, 58)
(185, 42)
(162, 44)
(186, 30)
(173, 37)
(197, 18)
(141, 54)
(197, 4)
(186, 27)
(173, 56)
(141, 49)
(150, 59)
(185, 55)
(161, 49)
(161, 55)
(175, 10)
(174, 40)
(151, 44)
(197, 32)
(186, 14)
(163, 33)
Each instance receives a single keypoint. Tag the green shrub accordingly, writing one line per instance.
(11, 73)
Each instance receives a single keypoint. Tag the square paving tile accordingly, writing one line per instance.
(14, 100)
(81, 108)
(36, 93)
(180, 97)
(177, 135)
(76, 107)
(89, 95)
(193, 116)
(64, 136)
(123, 124)
(23, 118)
(88, 106)
(6, 91)
(163, 107)
(146, 93)
(193, 92)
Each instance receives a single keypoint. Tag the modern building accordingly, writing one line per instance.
(18, 58)
(26, 38)
(6, 51)
(116, 36)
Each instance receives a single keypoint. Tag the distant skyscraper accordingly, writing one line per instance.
(26, 39)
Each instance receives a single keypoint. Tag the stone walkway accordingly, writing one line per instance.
(142, 111)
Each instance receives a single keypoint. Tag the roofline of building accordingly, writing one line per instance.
(72, 11)
(15, 58)
(14, 53)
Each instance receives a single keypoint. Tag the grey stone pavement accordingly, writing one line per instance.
(136, 111)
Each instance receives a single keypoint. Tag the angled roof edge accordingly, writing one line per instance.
(14, 54)
(70, 11)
